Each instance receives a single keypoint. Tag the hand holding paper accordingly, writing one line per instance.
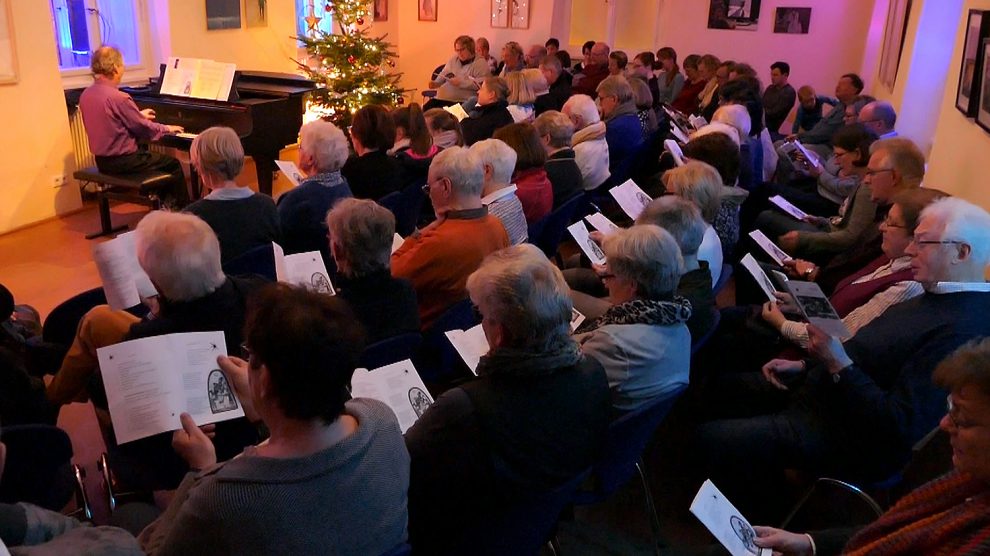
(787, 207)
(725, 522)
(590, 249)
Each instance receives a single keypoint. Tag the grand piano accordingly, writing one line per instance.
(265, 109)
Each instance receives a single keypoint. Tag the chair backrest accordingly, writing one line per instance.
(555, 225)
(437, 360)
(390, 350)
(832, 503)
(260, 261)
(403, 549)
(406, 206)
(38, 468)
(723, 279)
(624, 445)
(699, 343)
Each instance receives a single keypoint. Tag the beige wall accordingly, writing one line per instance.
(35, 145)
(957, 162)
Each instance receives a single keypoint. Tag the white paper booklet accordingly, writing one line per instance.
(398, 386)
(588, 246)
(290, 171)
(151, 381)
(675, 151)
(198, 78)
(811, 157)
(817, 309)
(470, 344)
(576, 319)
(787, 207)
(697, 121)
(457, 110)
(303, 269)
(761, 277)
(397, 242)
(725, 522)
(771, 248)
(678, 133)
(631, 198)
(124, 281)
(601, 223)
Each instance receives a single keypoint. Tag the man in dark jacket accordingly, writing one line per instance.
(559, 82)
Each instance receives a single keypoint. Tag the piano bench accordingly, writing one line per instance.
(141, 188)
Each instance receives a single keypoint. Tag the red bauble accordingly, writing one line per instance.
(351, 59)
(360, 21)
(329, 7)
(391, 64)
(402, 101)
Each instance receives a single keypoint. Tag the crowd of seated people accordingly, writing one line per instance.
(773, 401)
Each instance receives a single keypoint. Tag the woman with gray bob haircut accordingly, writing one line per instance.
(242, 219)
(360, 240)
(532, 373)
(642, 340)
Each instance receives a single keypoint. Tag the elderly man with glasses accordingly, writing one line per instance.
(855, 409)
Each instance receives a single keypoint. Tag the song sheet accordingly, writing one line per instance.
(124, 281)
(631, 198)
(776, 253)
(303, 269)
(290, 171)
(761, 277)
(787, 207)
(579, 231)
(725, 522)
(398, 386)
(817, 309)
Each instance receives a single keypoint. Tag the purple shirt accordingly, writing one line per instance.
(113, 122)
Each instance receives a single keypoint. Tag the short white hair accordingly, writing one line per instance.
(181, 255)
(647, 255)
(326, 143)
(558, 126)
(219, 152)
(718, 127)
(962, 221)
(680, 217)
(363, 229)
(736, 116)
(463, 169)
(497, 154)
(521, 290)
(583, 106)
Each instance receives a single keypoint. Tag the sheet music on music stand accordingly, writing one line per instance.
(198, 78)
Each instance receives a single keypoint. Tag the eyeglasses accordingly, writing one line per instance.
(917, 241)
(953, 414)
(426, 188)
(872, 173)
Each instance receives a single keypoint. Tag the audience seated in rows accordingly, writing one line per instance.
(484, 51)
(534, 54)
(595, 70)
(617, 62)
(492, 112)
(641, 67)
(947, 515)
(701, 184)
(512, 59)
(559, 86)
(556, 131)
(241, 218)
(720, 152)
(414, 147)
(533, 185)
(22, 396)
(687, 100)
(534, 418)
(444, 128)
(458, 80)
(499, 195)
(371, 173)
(522, 95)
(857, 407)
(642, 340)
(643, 99)
(361, 233)
(303, 209)
(272, 498)
(439, 258)
(810, 109)
(589, 143)
(819, 137)
(778, 98)
(670, 81)
(618, 108)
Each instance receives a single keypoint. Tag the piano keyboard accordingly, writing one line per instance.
(186, 135)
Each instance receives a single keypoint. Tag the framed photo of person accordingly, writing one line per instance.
(500, 14)
(381, 10)
(983, 107)
(428, 10)
(519, 14)
(977, 28)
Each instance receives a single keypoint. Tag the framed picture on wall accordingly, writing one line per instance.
(500, 13)
(893, 40)
(381, 10)
(428, 10)
(256, 13)
(977, 28)
(223, 14)
(743, 15)
(793, 21)
(8, 54)
(519, 14)
(983, 108)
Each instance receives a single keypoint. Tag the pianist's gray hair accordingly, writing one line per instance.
(518, 288)
(497, 154)
(181, 255)
(326, 143)
(462, 168)
(105, 61)
(219, 152)
(363, 230)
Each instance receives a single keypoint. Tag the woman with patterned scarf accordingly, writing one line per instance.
(642, 339)
(948, 516)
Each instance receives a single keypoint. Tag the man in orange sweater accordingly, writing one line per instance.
(439, 258)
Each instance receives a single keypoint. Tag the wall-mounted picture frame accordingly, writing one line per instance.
(741, 15)
(8, 51)
(983, 108)
(970, 70)
(223, 14)
(500, 14)
(792, 21)
(381, 10)
(898, 13)
(428, 10)
(519, 14)
(256, 13)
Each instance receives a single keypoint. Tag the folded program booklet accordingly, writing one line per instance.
(398, 386)
(817, 309)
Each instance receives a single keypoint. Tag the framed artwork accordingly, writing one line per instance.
(977, 28)
(519, 14)
(223, 14)
(256, 13)
(893, 40)
(428, 10)
(500, 13)
(8, 52)
(792, 21)
(743, 15)
(381, 10)
(983, 108)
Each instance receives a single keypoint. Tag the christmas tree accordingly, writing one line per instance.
(351, 69)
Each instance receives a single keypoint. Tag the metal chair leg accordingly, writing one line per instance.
(104, 466)
(651, 510)
(83, 509)
(553, 545)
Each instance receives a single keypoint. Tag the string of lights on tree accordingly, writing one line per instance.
(351, 69)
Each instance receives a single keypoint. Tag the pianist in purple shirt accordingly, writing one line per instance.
(115, 126)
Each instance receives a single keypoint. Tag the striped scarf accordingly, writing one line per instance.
(950, 515)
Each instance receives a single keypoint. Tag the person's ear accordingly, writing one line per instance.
(963, 254)
(499, 336)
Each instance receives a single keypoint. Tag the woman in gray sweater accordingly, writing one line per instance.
(332, 477)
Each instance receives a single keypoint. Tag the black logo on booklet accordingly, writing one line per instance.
(221, 396)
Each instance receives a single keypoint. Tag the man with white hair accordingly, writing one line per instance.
(588, 141)
(865, 402)
(302, 211)
(181, 255)
(499, 161)
(879, 117)
(439, 258)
